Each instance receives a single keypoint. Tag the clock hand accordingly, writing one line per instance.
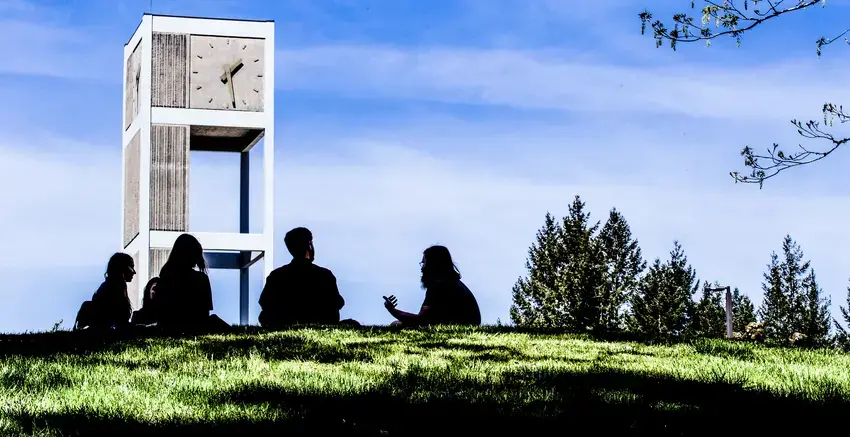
(236, 66)
(230, 86)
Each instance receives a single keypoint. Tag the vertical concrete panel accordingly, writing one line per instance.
(134, 289)
(169, 185)
(158, 259)
(170, 70)
(132, 169)
(131, 88)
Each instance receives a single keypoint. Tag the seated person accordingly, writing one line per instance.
(110, 305)
(147, 314)
(183, 291)
(447, 300)
(300, 292)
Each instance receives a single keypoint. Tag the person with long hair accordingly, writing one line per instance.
(111, 303)
(447, 299)
(183, 291)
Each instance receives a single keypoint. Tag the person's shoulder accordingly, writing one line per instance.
(199, 276)
(322, 270)
(102, 288)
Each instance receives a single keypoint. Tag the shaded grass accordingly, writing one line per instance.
(383, 381)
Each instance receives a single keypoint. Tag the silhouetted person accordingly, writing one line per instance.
(110, 305)
(147, 315)
(183, 292)
(447, 300)
(301, 291)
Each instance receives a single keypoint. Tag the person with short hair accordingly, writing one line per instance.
(447, 299)
(300, 292)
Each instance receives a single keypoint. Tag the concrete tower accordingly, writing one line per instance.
(194, 84)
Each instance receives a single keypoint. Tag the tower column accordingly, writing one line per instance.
(195, 84)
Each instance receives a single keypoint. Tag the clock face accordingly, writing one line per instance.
(131, 87)
(227, 73)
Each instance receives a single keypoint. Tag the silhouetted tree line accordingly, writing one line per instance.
(590, 279)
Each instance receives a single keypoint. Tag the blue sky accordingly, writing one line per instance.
(403, 124)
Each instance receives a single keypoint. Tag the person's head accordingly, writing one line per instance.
(186, 253)
(120, 267)
(150, 291)
(437, 265)
(299, 242)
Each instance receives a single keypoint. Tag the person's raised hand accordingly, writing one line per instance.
(390, 302)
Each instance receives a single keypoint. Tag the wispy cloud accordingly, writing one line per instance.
(374, 211)
(37, 49)
(569, 81)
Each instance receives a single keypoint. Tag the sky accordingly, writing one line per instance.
(401, 124)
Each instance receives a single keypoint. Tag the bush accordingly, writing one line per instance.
(754, 331)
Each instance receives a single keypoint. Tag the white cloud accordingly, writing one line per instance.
(40, 49)
(561, 80)
(376, 209)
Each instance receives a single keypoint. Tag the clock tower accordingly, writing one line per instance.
(194, 84)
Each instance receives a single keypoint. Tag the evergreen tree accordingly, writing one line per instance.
(661, 307)
(792, 301)
(582, 274)
(794, 272)
(816, 312)
(843, 337)
(775, 306)
(533, 297)
(709, 314)
(743, 312)
(623, 266)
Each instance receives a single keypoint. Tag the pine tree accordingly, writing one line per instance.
(843, 337)
(623, 266)
(581, 274)
(663, 302)
(792, 302)
(775, 306)
(816, 312)
(533, 296)
(709, 314)
(743, 312)
(794, 271)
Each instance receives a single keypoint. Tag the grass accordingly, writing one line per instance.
(382, 381)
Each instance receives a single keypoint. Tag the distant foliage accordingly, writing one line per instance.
(709, 314)
(793, 301)
(579, 277)
(743, 311)
(661, 307)
(842, 337)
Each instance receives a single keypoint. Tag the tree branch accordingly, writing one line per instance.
(780, 161)
(725, 14)
(728, 15)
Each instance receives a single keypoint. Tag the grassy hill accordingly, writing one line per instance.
(382, 381)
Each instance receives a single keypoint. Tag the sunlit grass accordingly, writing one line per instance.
(386, 381)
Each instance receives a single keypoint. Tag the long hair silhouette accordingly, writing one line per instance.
(186, 253)
(117, 266)
(437, 265)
